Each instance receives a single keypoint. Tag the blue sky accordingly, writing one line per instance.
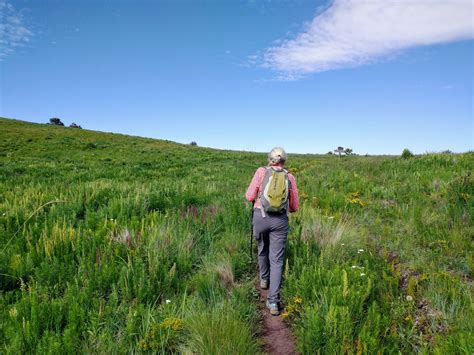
(246, 75)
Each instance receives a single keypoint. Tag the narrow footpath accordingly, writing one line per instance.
(277, 337)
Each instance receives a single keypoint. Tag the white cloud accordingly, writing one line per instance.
(13, 33)
(355, 32)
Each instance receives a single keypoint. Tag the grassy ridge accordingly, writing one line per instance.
(140, 243)
(145, 248)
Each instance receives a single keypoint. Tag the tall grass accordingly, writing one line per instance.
(148, 249)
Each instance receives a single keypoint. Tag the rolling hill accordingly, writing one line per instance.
(114, 243)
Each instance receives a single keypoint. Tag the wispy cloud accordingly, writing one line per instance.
(13, 31)
(350, 33)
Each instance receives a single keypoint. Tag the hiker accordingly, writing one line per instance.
(272, 203)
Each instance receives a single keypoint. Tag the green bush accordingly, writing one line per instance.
(406, 153)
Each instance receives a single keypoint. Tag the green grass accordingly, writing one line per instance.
(145, 248)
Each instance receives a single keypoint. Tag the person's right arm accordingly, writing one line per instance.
(252, 190)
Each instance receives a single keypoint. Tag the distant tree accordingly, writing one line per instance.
(406, 153)
(348, 151)
(339, 151)
(329, 153)
(73, 125)
(56, 121)
(193, 143)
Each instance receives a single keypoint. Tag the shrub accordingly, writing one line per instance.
(406, 153)
(56, 121)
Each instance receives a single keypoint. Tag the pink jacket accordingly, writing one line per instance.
(254, 188)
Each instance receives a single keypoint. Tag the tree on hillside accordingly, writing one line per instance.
(56, 121)
(73, 125)
(348, 151)
(339, 151)
(406, 153)
(193, 143)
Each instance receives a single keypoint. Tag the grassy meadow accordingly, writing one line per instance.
(113, 243)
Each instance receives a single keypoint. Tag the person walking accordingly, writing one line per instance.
(274, 195)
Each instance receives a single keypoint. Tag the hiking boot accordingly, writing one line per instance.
(264, 284)
(274, 309)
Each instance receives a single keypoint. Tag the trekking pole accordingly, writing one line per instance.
(251, 230)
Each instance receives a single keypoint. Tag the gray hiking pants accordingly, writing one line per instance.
(271, 233)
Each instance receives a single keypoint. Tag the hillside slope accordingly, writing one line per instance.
(113, 243)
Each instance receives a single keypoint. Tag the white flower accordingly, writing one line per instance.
(342, 244)
(354, 266)
(409, 298)
(362, 274)
(360, 250)
(168, 301)
(4, 214)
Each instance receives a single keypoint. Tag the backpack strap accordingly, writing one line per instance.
(288, 197)
(260, 192)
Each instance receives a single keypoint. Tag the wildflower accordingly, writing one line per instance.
(4, 214)
(360, 251)
(284, 315)
(168, 301)
(409, 298)
(297, 300)
(172, 323)
(13, 312)
(362, 274)
(342, 244)
(354, 266)
(354, 198)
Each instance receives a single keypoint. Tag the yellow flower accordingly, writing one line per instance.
(354, 198)
(172, 323)
(297, 300)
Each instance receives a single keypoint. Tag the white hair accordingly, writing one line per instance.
(277, 156)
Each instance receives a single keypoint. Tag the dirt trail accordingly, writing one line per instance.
(277, 337)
